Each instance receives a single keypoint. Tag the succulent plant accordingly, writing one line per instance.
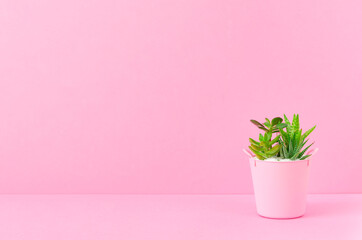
(293, 140)
(264, 148)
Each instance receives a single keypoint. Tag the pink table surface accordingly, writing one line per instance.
(172, 217)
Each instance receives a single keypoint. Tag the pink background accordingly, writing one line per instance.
(156, 96)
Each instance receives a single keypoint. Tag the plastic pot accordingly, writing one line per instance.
(280, 187)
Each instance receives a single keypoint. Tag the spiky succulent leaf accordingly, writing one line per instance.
(290, 148)
(304, 150)
(297, 152)
(298, 136)
(306, 134)
(281, 153)
(304, 157)
(285, 151)
(292, 140)
(284, 135)
(286, 120)
(295, 123)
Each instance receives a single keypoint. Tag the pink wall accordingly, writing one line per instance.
(155, 96)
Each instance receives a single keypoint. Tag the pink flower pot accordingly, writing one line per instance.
(280, 187)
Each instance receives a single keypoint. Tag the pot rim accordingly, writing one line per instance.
(296, 161)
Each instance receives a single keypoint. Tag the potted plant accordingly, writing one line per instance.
(279, 164)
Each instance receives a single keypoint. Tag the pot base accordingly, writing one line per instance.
(281, 218)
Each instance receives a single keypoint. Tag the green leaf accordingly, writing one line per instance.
(275, 130)
(258, 124)
(267, 124)
(258, 154)
(261, 138)
(275, 140)
(263, 155)
(276, 121)
(252, 141)
(281, 125)
(267, 136)
(274, 150)
(258, 148)
(254, 151)
(267, 120)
